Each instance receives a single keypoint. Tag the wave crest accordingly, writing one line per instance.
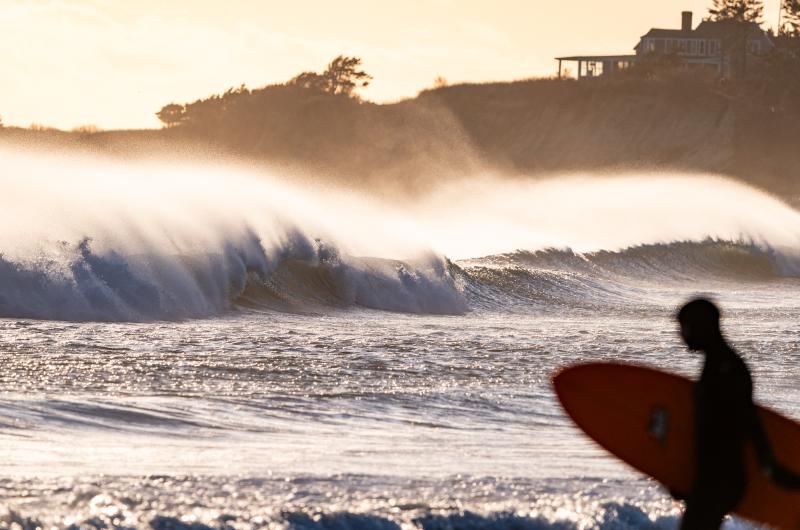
(76, 282)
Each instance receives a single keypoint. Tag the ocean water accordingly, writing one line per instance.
(217, 347)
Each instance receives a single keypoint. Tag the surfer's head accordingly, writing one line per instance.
(699, 320)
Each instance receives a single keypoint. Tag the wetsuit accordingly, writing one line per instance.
(724, 422)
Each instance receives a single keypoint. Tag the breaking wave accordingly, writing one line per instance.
(86, 240)
(74, 282)
(93, 240)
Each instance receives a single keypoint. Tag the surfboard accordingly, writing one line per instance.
(644, 417)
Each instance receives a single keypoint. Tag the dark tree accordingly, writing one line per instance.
(737, 10)
(209, 111)
(235, 92)
(172, 114)
(311, 81)
(342, 76)
(791, 18)
(738, 17)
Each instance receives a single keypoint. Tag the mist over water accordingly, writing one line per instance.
(96, 239)
(592, 213)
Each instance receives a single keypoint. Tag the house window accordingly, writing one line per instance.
(651, 45)
(702, 45)
(594, 68)
(755, 47)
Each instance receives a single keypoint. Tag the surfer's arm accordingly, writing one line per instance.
(775, 471)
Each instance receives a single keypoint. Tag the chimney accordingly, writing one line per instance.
(686, 21)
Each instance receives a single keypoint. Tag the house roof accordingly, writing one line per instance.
(720, 28)
(707, 29)
(669, 33)
(598, 58)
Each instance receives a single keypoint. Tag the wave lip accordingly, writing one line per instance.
(417, 286)
(78, 283)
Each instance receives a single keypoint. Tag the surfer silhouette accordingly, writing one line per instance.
(726, 419)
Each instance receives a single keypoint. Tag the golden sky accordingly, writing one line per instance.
(113, 63)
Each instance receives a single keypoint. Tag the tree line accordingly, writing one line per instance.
(341, 78)
(753, 11)
(790, 18)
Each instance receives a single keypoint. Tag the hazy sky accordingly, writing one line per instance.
(113, 63)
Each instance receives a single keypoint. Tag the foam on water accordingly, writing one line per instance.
(343, 502)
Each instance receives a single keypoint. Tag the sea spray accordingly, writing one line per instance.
(98, 239)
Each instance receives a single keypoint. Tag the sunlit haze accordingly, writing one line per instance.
(113, 63)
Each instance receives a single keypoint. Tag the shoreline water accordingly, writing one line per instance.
(337, 502)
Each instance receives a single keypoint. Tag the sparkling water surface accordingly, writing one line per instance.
(260, 414)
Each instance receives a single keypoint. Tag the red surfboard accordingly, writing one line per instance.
(644, 417)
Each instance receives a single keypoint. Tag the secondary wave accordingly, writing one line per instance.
(552, 279)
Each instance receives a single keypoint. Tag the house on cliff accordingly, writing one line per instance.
(721, 46)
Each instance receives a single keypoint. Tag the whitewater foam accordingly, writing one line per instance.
(86, 240)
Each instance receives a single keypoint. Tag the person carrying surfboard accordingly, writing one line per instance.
(725, 419)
